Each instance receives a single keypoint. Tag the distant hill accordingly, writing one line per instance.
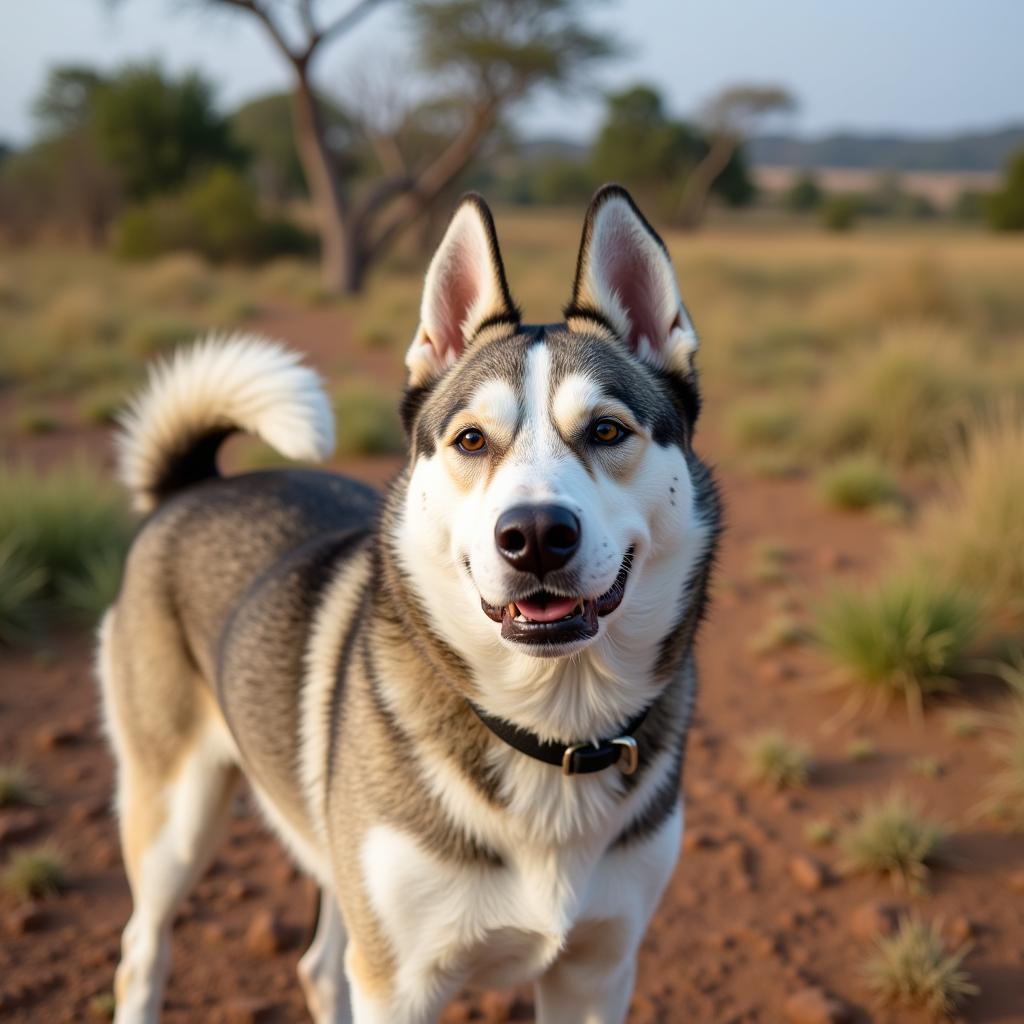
(970, 151)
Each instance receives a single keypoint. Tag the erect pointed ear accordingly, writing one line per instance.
(625, 280)
(465, 291)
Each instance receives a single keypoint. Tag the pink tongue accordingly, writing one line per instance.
(556, 608)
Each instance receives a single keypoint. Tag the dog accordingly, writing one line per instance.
(463, 705)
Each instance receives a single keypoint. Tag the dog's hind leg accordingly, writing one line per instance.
(173, 793)
(322, 967)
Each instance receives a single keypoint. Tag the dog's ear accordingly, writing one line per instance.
(625, 281)
(465, 291)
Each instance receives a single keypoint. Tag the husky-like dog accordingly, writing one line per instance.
(463, 706)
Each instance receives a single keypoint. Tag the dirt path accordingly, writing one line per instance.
(742, 927)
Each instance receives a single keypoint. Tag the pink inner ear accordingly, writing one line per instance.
(634, 280)
(458, 288)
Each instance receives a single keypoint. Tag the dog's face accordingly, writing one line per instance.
(550, 511)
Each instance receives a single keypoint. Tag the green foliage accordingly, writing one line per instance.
(804, 195)
(60, 536)
(652, 154)
(17, 787)
(367, 422)
(859, 482)
(840, 212)
(906, 638)
(1004, 208)
(911, 968)
(892, 838)
(218, 216)
(32, 874)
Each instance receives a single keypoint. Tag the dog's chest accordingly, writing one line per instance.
(488, 925)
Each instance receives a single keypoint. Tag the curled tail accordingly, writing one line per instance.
(193, 401)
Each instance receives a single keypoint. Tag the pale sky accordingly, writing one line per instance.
(921, 66)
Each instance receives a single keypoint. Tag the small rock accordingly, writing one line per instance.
(246, 1011)
(807, 872)
(832, 558)
(958, 930)
(19, 825)
(25, 920)
(86, 810)
(874, 918)
(698, 839)
(237, 890)
(266, 935)
(815, 1006)
(213, 933)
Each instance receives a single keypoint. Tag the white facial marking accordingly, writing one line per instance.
(573, 402)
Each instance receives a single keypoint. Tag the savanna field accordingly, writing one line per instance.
(855, 779)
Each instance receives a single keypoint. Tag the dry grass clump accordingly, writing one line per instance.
(904, 639)
(182, 278)
(776, 761)
(18, 787)
(771, 562)
(1005, 800)
(762, 423)
(861, 749)
(820, 832)
(904, 401)
(858, 482)
(975, 535)
(367, 422)
(782, 631)
(892, 838)
(34, 873)
(912, 968)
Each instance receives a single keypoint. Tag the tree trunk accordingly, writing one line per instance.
(698, 188)
(339, 252)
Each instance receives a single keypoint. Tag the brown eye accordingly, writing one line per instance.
(471, 441)
(608, 431)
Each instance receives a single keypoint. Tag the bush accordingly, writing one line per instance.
(774, 760)
(904, 639)
(762, 423)
(1004, 208)
(804, 194)
(840, 213)
(32, 874)
(858, 482)
(217, 216)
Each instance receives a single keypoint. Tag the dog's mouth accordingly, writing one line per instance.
(545, 618)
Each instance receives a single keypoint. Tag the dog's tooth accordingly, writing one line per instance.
(513, 611)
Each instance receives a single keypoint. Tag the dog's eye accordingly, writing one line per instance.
(471, 441)
(608, 431)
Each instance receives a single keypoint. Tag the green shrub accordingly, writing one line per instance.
(21, 588)
(774, 760)
(217, 216)
(839, 212)
(32, 874)
(858, 482)
(904, 639)
(18, 787)
(1004, 208)
(367, 422)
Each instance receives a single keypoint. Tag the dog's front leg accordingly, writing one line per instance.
(383, 995)
(591, 982)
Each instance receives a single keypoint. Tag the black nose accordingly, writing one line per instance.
(537, 538)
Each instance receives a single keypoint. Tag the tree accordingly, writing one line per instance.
(729, 118)
(804, 194)
(1004, 208)
(491, 54)
(654, 155)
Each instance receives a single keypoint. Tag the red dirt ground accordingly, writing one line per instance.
(736, 935)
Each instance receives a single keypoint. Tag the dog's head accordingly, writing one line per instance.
(553, 516)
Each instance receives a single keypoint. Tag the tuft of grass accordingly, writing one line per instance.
(367, 422)
(820, 832)
(776, 761)
(912, 968)
(975, 535)
(181, 278)
(34, 873)
(60, 534)
(779, 632)
(861, 749)
(102, 404)
(764, 423)
(88, 593)
(21, 590)
(154, 334)
(926, 767)
(858, 482)
(892, 838)
(103, 1006)
(770, 563)
(18, 787)
(964, 724)
(904, 639)
(1005, 800)
(36, 420)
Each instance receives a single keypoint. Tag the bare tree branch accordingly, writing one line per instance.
(272, 27)
(342, 23)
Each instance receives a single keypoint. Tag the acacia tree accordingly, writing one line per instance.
(728, 118)
(490, 55)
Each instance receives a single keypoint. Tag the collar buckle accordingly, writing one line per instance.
(629, 751)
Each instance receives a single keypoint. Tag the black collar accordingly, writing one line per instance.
(576, 758)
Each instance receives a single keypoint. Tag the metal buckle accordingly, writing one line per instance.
(567, 757)
(631, 752)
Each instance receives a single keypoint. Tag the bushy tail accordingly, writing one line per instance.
(193, 401)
